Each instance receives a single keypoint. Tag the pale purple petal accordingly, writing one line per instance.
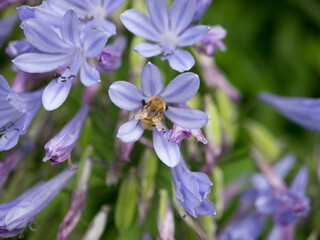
(201, 7)
(70, 28)
(59, 148)
(42, 37)
(181, 60)
(6, 26)
(9, 140)
(192, 35)
(139, 24)
(94, 42)
(159, 14)
(125, 95)
(206, 208)
(151, 80)
(299, 184)
(112, 5)
(55, 94)
(167, 151)
(41, 62)
(27, 206)
(302, 111)
(89, 75)
(130, 131)
(187, 118)
(181, 14)
(148, 49)
(182, 88)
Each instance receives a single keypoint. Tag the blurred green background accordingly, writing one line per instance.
(272, 46)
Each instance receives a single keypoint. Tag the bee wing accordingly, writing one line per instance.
(141, 113)
(159, 121)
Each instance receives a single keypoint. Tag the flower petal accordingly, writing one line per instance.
(139, 24)
(130, 131)
(181, 60)
(206, 208)
(43, 38)
(111, 5)
(55, 94)
(70, 28)
(182, 88)
(159, 14)
(89, 75)
(148, 49)
(94, 42)
(187, 118)
(167, 151)
(151, 80)
(181, 14)
(125, 95)
(41, 62)
(9, 140)
(192, 35)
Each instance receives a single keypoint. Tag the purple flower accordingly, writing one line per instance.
(6, 26)
(303, 111)
(17, 111)
(201, 7)
(191, 190)
(273, 197)
(177, 134)
(12, 160)
(152, 104)
(16, 48)
(111, 57)
(73, 216)
(213, 40)
(60, 146)
(248, 228)
(19, 212)
(91, 12)
(68, 49)
(281, 233)
(169, 29)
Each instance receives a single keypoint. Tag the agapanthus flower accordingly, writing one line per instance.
(168, 29)
(19, 212)
(248, 228)
(17, 110)
(78, 203)
(212, 41)
(303, 111)
(68, 50)
(151, 104)
(111, 57)
(201, 7)
(6, 26)
(192, 189)
(177, 134)
(59, 148)
(89, 11)
(12, 160)
(275, 198)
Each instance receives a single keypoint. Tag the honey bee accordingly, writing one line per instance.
(151, 113)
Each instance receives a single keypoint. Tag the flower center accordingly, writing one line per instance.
(151, 113)
(169, 43)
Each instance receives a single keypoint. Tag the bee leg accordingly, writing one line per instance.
(166, 107)
(143, 102)
(138, 122)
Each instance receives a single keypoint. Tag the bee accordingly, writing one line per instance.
(151, 113)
